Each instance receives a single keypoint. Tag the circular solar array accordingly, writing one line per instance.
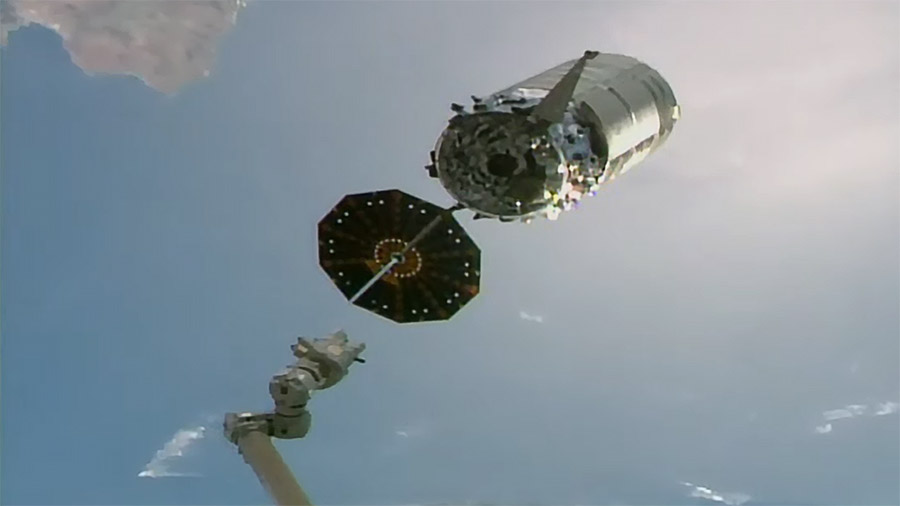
(430, 281)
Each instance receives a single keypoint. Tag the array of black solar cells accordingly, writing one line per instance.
(450, 260)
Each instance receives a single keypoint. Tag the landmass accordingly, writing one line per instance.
(165, 44)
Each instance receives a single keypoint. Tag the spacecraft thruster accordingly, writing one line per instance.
(531, 150)
(399, 256)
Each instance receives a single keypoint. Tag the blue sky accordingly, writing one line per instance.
(159, 257)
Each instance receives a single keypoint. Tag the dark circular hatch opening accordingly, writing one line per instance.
(502, 164)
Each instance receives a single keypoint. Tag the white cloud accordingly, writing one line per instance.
(850, 411)
(158, 467)
(887, 408)
(412, 430)
(727, 498)
(824, 429)
(166, 44)
(531, 318)
(855, 411)
(407, 436)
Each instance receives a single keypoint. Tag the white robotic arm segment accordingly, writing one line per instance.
(291, 390)
(329, 359)
(320, 364)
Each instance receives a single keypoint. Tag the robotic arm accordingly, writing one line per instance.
(321, 363)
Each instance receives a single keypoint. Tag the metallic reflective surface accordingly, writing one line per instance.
(538, 147)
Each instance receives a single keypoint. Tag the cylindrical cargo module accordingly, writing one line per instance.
(537, 147)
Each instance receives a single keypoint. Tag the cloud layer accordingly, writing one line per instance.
(854, 411)
(158, 467)
(165, 44)
(727, 498)
(530, 317)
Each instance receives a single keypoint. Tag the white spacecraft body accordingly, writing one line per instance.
(537, 147)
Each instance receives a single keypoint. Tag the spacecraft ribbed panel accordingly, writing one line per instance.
(630, 101)
(596, 71)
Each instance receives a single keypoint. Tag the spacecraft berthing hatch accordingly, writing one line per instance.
(534, 149)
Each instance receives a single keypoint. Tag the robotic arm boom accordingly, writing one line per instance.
(320, 364)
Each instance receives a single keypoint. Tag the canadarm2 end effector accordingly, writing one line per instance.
(327, 359)
(321, 363)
